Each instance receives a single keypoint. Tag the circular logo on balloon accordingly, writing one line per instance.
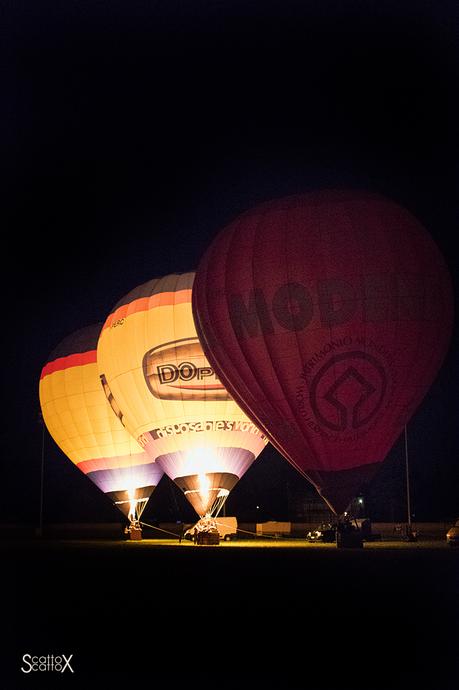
(347, 391)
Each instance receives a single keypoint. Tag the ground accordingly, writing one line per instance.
(249, 614)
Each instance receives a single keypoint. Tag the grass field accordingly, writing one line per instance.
(247, 614)
(263, 543)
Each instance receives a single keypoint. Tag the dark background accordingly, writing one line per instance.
(133, 131)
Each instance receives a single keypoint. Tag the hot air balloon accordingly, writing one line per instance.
(172, 402)
(327, 316)
(84, 421)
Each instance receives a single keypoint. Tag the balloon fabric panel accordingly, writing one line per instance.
(327, 316)
(170, 398)
(79, 417)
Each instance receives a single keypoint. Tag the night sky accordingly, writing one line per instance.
(132, 132)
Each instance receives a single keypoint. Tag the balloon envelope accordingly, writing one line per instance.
(170, 398)
(327, 316)
(81, 420)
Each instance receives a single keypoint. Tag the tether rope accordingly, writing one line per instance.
(174, 534)
(238, 529)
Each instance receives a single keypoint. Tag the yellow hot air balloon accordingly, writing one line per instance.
(83, 420)
(172, 402)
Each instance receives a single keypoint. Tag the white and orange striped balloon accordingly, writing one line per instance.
(171, 400)
(83, 420)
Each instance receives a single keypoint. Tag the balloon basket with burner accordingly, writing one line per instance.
(348, 536)
(134, 532)
(211, 538)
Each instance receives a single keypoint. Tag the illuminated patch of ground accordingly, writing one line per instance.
(292, 544)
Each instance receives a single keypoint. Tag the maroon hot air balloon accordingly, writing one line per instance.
(327, 316)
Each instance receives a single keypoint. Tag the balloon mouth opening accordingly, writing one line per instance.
(213, 498)
(207, 491)
(132, 501)
(339, 488)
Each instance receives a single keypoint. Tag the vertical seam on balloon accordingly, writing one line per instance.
(280, 387)
(265, 428)
(217, 405)
(136, 328)
(231, 241)
(325, 449)
(360, 272)
(228, 254)
(203, 283)
(304, 440)
(174, 330)
(156, 287)
(106, 408)
(161, 286)
(86, 414)
(241, 381)
(189, 304)
(130, 459)
(260, 218)
(140, 329)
